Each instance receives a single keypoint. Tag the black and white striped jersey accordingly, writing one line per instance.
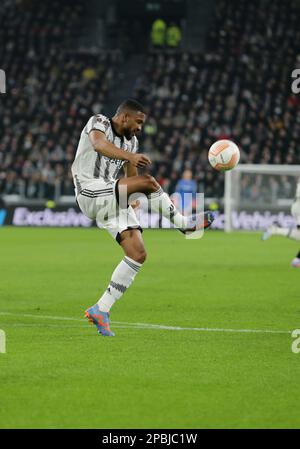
(89, 164)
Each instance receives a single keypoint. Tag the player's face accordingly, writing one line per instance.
(133, 124)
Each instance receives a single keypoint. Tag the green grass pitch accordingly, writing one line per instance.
(58, 373)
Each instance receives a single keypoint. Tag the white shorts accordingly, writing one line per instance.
(99, 201)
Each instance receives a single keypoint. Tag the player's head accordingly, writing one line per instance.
(132, 116)
(187, 174)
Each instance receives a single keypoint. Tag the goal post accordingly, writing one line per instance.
(262, 191)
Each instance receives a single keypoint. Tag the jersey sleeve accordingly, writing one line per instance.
(97, 122)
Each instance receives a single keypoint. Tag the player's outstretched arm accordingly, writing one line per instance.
(103, 146)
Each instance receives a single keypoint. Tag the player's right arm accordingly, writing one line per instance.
(103, 146)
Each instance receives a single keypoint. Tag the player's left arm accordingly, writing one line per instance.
(130, 170)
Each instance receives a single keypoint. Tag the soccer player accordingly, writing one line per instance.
(292, 233)
(106, 145)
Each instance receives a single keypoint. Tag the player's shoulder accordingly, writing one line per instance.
(101, 118)
(98, 122)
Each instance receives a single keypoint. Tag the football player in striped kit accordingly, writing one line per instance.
(106, 145)
(291, 233)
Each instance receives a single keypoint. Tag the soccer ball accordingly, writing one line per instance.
(224, 155)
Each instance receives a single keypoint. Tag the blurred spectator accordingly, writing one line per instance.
(158, 33)
(186, 187)
(173, 36)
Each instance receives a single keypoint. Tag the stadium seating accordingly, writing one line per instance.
(52, 92)
(239, 89)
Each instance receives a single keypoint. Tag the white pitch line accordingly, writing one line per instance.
(64, 326)
(127, 325)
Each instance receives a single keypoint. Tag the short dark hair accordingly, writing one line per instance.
(132, 105)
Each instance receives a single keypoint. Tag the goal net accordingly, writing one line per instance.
(258, 195)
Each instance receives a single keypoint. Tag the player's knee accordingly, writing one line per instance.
(139, 255)
(151, 183)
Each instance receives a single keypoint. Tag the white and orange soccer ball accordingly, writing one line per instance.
(224, 155)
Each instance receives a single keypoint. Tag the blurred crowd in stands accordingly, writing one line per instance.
(258, 189)
(51, 93)
(239, 89)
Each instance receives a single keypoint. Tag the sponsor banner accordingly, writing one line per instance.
(42, 216)
(254, 221)
(73, 217)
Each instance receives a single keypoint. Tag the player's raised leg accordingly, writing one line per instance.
(292, 233)
(122, 277)
(161, 202)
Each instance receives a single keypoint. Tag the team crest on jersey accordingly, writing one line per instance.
(101, 120)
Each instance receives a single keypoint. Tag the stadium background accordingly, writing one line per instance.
(225, 72)
(204, 336)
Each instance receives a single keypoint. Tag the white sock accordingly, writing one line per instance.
(291, 233)
(275, 230)
(161, 202)
(121, 279)
(294, 234)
